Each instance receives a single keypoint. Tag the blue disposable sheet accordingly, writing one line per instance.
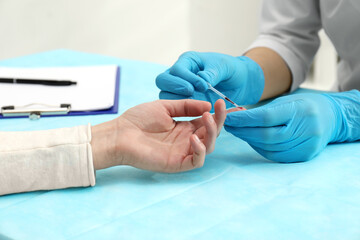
(236, 195)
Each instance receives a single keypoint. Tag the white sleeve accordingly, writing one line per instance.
(291, 28)
(43, 160)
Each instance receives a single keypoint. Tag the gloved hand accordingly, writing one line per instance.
(297, 127)
(239, 78)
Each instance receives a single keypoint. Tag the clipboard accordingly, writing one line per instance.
(91, 80)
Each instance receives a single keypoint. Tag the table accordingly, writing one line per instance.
(236, 195)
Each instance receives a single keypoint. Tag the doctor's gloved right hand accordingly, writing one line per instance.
(239, 78)
(297, 127)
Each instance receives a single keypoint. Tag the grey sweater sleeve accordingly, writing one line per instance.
(43, 160)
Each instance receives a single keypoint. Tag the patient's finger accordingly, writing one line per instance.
(199, 151)
(220, 114)
(186, 107)
(194, 160)
(210, 133)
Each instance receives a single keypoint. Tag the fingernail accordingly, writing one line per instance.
(211, 119)
(197, 138)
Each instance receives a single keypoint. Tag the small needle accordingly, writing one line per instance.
(221, 95)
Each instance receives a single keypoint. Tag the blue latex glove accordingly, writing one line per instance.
(239, 78)
(297, 127)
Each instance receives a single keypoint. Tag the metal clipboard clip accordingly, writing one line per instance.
(35, 110)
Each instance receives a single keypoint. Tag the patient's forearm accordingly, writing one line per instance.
(277, 74)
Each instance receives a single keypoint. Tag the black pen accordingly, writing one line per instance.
(37, 81)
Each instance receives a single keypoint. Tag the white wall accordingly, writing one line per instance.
(156, 31)
(227, 26)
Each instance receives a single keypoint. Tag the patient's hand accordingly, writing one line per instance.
(147, 137)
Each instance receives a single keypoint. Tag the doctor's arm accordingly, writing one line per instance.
(277, 74)
(297, 127)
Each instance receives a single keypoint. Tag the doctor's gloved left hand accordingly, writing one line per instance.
(239, 78)
(147, 137)
(297, 127)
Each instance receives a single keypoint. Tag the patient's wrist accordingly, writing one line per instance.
(104, 144)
